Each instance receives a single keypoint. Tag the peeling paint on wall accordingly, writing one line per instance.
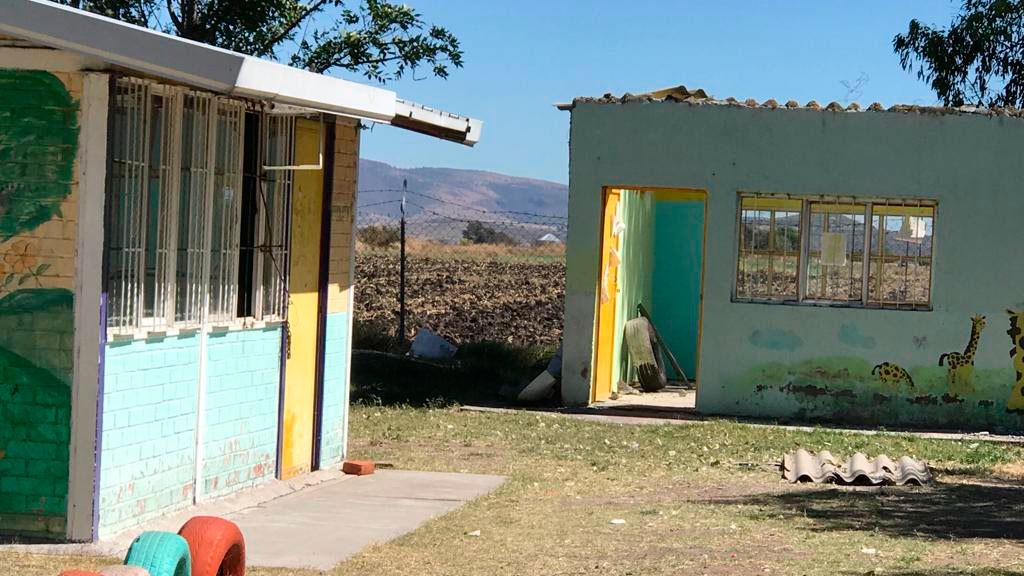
(850, 335)
(775, 339)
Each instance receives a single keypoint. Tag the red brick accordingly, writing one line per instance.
(357, 467)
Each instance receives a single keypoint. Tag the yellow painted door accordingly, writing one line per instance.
(303, 307)
(607, 288)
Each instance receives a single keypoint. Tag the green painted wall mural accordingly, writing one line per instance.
(38, 141)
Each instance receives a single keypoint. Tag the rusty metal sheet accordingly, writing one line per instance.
(804, 466)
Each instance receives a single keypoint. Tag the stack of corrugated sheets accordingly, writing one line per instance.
(804, 466)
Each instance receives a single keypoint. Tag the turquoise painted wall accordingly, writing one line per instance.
(675, 304)
(336, 366)
(150, 422)
(240, 423)
(815, 362)
(149, 430)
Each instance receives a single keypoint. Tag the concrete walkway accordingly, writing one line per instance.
(323, 526)
(315, 521)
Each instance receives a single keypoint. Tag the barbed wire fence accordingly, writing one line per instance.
(466, 273)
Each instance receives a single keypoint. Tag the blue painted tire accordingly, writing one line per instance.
(162, 553)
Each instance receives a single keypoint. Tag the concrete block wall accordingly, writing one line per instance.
(336, 364)
(39, 130)
(339, 294)
(243, 374)
(149, 430)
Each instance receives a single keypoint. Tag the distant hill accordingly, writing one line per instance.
(474, 188)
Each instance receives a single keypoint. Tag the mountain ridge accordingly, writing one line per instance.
(452, 190)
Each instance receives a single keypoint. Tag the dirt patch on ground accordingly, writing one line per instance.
(463, 299)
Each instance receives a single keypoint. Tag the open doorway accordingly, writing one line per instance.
(652, 258)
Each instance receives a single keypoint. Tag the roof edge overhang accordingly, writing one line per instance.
(437, 123)
(156, 54)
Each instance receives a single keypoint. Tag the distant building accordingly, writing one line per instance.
(549, 238)
(786, 255)
(166, 209)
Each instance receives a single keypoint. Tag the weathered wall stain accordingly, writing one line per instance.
(850, 335)
(844, 389)
(776, 339)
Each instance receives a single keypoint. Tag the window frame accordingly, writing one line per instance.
(130, 193)
(770, 253)
(892, 205)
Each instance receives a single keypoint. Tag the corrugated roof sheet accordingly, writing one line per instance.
(683, 94)
(804, 466)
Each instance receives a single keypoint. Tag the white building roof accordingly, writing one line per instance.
(153, 53)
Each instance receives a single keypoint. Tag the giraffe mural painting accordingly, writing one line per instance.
(827, 292)
(961, 364)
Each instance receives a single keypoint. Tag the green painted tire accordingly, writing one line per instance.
(162, 553)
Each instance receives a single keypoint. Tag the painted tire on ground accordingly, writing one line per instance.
(217, 546)
(79, 573)
(124, 571)
(162, 553)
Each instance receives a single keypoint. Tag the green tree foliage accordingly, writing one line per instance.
(978, 59)
(379, 235)
(477, 232)
(379, 39)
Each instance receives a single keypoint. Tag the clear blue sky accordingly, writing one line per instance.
(522, 57)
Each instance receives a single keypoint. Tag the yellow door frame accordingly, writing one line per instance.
(300, 394)
(604, 339)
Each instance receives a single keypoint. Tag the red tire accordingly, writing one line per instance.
(79, 573)
(217, 546)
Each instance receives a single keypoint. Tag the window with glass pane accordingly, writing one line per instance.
(769, 248)
(901, 255)
(835, 257)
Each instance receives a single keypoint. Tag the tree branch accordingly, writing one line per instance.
(287, 29)
(174, 17)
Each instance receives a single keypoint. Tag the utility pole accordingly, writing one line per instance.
(401, 272)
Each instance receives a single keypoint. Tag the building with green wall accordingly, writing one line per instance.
(830, 263)
(176, 269)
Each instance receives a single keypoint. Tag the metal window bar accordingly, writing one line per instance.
(128, 166)
(769, 252)
(833, 283)
(902, 280)
(225, 211)
(160, 212)
(196, 174)
(273, 220)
